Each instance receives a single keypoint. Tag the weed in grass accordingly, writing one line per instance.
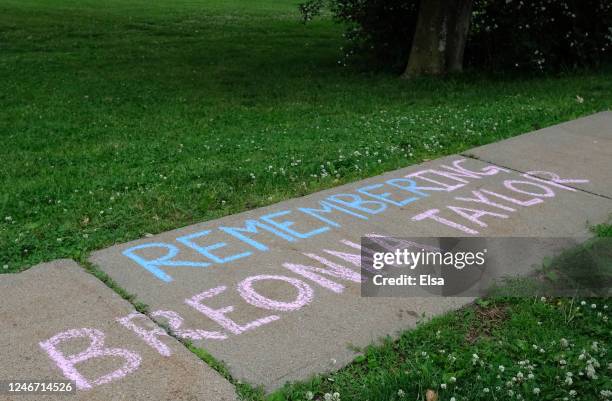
(603, 230)
(110, 283)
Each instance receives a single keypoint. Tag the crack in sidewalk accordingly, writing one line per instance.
(473, 157)
(202, 354)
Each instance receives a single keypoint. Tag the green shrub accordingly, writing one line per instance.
(504, 34)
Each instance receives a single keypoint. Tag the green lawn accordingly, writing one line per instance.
(498, 349)
(501, 349)
(120, 118)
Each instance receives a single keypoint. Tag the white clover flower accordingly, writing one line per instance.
(486, 390)
(593, 306)
(536, 390)
(569, 381)
(443, 386)
(564, 343)
(331, 397)
(401, 393)
(309, 396)
(452, 379)
(453, 399)
(590, 372)
(583, 303)
(573, 393)
(530, 376)
(501, 368)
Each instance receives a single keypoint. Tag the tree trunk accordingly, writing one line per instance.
(440, 37)
(427, 55)
(461, 16)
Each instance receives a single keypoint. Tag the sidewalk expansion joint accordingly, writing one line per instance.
(525, 172)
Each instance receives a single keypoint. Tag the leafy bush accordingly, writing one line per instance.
(540, 34)
(524, 34)
(380, 29)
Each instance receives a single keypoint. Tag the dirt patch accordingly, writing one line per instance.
(486, 320)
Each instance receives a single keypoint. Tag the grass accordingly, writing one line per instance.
(126, 117)
(499, 349)
(603, 230)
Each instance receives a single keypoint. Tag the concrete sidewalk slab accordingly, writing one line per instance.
(579, 148)
(598, 125)
(60, 323)
(274, 291)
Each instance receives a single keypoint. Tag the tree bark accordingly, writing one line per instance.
(461, 16)
(439, 38)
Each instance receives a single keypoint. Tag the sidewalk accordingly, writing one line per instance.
(274, 292)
